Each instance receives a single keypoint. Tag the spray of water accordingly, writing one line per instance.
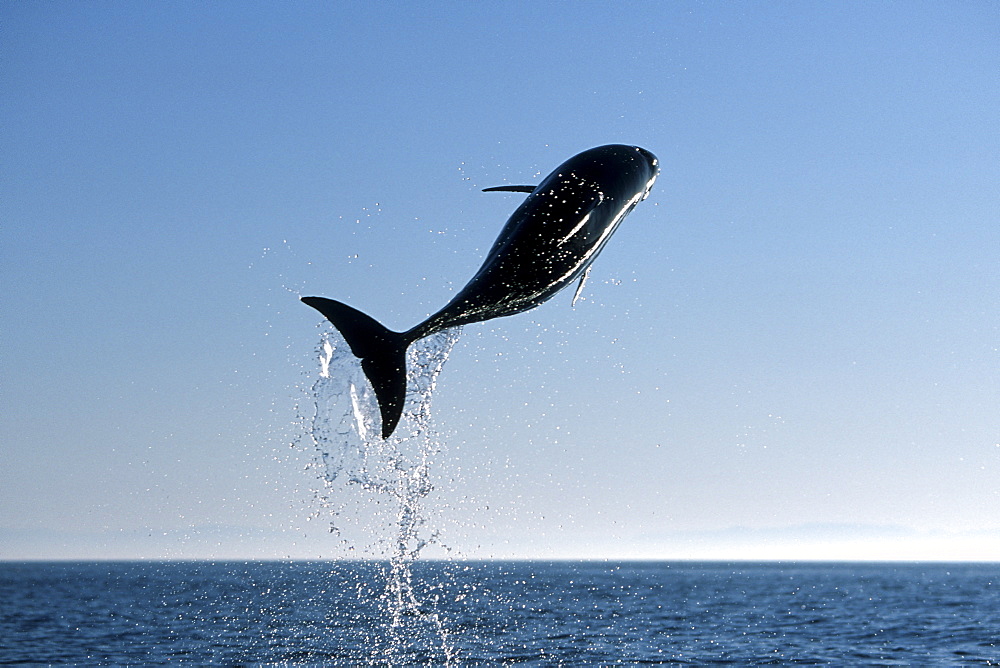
(383, 481)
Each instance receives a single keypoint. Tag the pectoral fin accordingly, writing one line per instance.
(510, 189)
(579, 288)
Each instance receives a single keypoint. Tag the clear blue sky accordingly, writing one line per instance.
(792, 348)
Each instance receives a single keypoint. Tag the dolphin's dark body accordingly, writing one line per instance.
(549, 242)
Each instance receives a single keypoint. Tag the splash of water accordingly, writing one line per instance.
(385, 481)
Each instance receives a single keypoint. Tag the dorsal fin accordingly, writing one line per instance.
(510, 189)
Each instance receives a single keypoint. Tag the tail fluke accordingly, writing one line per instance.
(382, 353)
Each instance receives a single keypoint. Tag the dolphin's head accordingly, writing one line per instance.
(618, 172)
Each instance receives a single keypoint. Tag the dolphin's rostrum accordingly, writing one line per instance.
(549, 242)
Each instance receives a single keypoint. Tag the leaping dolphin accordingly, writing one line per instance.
(548, 242)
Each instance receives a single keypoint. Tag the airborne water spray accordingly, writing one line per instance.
(384, 481)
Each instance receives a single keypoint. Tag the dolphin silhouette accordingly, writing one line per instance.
(550, 240)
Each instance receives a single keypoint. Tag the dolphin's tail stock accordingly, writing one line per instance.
(382, 353)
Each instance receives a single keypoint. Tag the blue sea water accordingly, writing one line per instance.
(499, 613)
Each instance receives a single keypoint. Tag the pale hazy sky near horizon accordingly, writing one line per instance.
(791, 349)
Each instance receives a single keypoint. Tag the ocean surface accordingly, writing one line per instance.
(499, 613)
